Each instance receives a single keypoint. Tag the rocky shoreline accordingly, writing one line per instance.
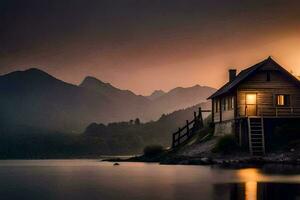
(234, 162)
(220, 160)
(202, 153)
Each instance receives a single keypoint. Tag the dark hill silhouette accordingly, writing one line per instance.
(128, 137)
(134, 137)
(36, 99)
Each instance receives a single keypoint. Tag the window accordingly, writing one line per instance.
(250, 99)
(217, 108)
(282, 100)
(224, 104)
(230, 103)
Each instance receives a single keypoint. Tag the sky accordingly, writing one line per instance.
(144, 45)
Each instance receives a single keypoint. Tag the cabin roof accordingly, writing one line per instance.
(229, 86)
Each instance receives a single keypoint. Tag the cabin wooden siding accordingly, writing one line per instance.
(266, 93)
(222, 114)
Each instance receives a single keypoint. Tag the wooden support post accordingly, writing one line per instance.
(187, 128)
(196, 121)
(200, 118)
(249, 136)
(263, 135)
(178, 137)
(240, 132)
(173, 140)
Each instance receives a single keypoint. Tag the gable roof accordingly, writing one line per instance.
(246, 73)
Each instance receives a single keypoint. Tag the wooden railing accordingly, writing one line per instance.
(188, 131)
(279, 111)
(264, 111)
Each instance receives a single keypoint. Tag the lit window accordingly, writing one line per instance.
(282, 100)
(251, 99)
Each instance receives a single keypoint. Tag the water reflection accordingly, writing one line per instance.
(93, 180)
(251, 174)
(253, 187)
(257, 191)
(250, 190)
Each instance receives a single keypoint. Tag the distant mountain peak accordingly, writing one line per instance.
(34, 71)
(91, 82)
(32, 74)
(197, 86)
(91, 78)
(156, 94)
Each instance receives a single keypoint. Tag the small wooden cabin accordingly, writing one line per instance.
(250, 103)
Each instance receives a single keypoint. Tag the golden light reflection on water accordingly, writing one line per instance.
(251, 176)
(251, 190)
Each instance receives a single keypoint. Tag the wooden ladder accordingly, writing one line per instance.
(256, 136)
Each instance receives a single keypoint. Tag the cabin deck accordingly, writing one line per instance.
(274, 112)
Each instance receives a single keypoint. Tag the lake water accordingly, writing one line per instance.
(91, 179)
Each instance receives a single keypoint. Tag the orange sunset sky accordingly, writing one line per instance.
(143, 45)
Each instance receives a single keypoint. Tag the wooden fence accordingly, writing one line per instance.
(186, 132)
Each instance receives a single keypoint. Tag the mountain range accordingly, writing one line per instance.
(37, 99)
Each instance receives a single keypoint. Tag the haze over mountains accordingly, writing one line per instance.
(37, 99)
